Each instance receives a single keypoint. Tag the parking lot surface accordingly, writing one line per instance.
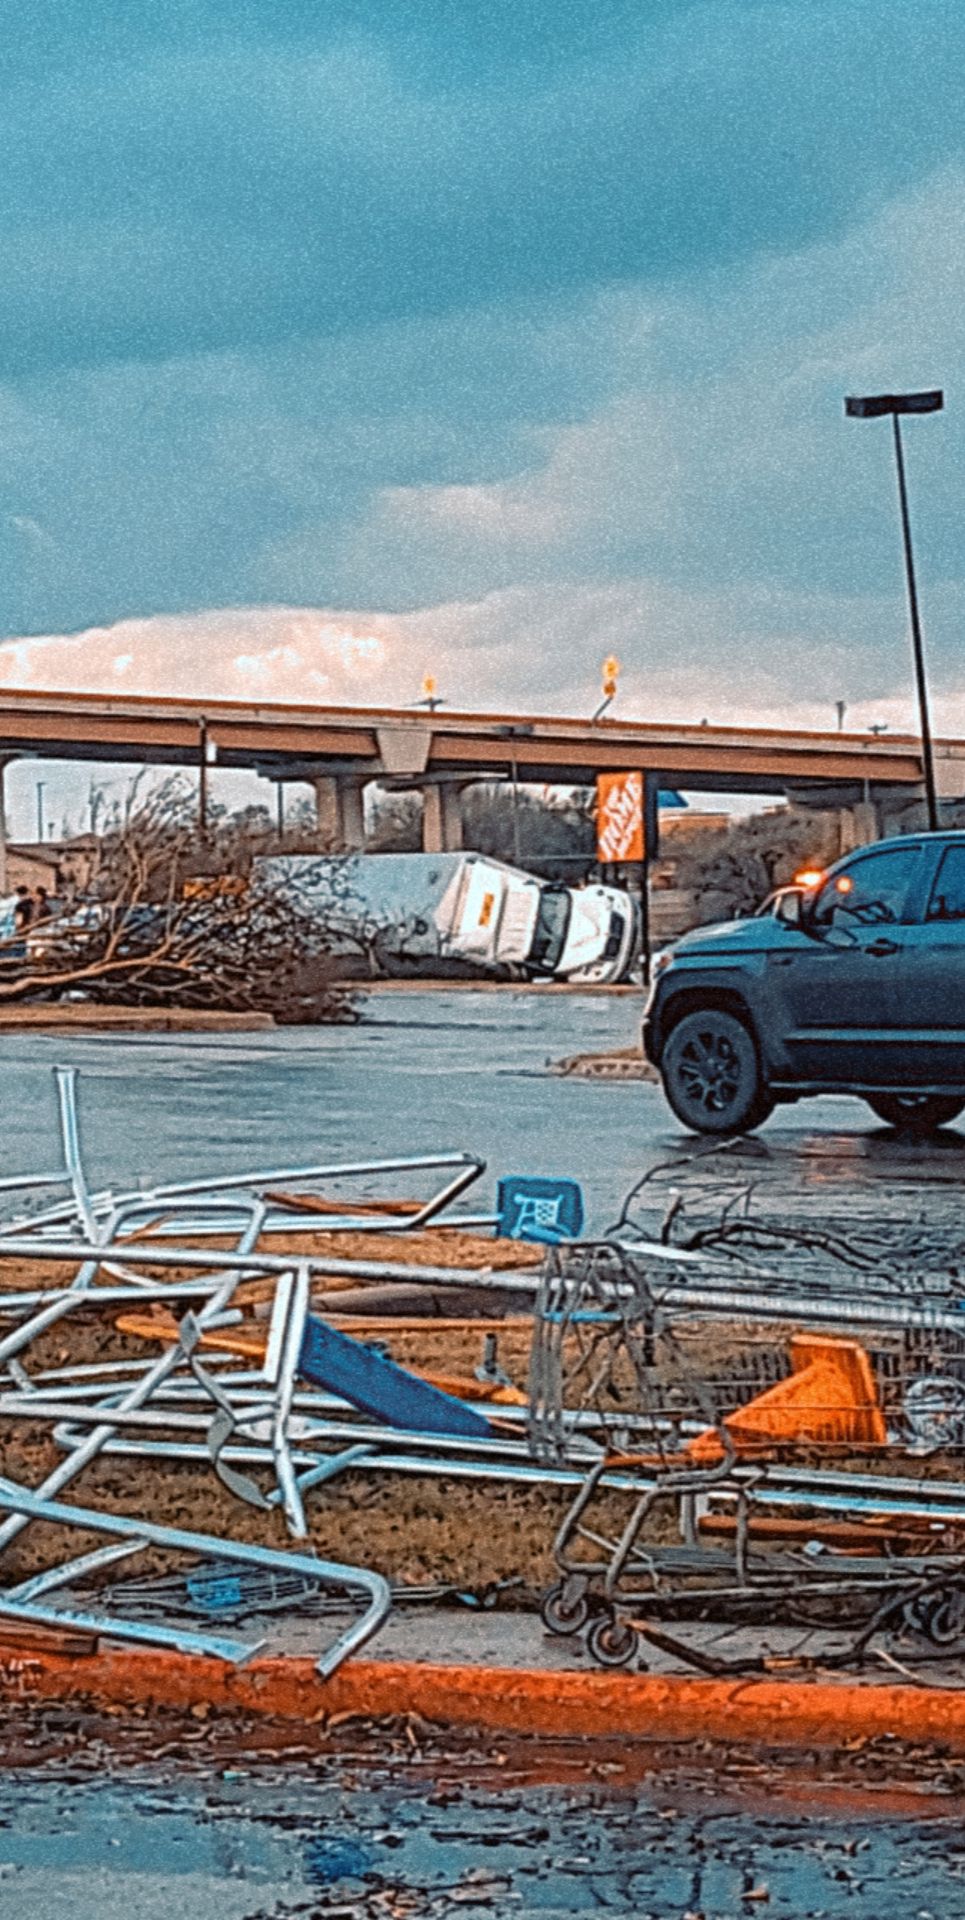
(421, 1071)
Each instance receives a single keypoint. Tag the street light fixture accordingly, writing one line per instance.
(609, 675)
(871, 407)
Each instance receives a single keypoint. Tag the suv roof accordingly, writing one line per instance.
(902, 839)
(922, 838)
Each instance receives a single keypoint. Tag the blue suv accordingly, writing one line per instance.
(853, 985)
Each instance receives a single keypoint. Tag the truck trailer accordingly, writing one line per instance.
(457, 913)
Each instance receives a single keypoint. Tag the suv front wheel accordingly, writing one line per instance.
(920, 1113)
(711, 1074)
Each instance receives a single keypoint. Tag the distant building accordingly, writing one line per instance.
(32, 866)
(674, 909)
(62, 866)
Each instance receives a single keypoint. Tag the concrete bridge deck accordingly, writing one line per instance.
(339, 749)
(294, 741)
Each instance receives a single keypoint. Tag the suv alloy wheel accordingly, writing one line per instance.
(711, 1075)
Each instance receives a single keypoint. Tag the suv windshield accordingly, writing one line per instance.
(552, 921)
(948, 895)
(869, 890)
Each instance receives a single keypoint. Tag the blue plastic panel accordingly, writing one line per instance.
(378, 1387)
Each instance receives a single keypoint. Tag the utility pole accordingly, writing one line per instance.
(203, 779)
(871, 407)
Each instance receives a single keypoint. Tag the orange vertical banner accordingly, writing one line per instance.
(619, 817)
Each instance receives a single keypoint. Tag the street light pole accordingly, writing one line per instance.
(924, 720)
(872, 406)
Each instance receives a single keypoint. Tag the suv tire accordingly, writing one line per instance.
(920, 1113)
(712, 1076)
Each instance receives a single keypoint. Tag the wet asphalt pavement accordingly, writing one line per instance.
(253, 1840)
(256, 1838)
(423, 1071)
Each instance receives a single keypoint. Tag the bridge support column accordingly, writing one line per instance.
(442, 817)
(340, 813)
(858, 825)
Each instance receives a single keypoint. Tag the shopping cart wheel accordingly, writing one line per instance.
(562, 1611)
(943, 1617)
(612, 1642)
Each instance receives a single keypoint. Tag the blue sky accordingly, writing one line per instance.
(346, 340)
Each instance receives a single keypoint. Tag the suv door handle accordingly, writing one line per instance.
(880, 947)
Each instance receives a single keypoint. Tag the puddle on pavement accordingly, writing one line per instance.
(195, 1823)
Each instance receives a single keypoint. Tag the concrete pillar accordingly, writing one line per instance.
(451, 816)
(858, 825)
(351, 796)
(432, 836)
(340, 813)
(326, 812)
(442, 817)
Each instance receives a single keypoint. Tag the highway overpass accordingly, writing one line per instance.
(340, 749)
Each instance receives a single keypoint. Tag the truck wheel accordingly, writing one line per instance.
(920, 1113)
(711, 1075)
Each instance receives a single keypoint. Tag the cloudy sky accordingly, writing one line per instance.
(344, 341)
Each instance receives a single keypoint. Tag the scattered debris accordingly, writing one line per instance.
(771, 1475)
(757, 1421)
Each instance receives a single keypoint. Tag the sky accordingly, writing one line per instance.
(347, 342)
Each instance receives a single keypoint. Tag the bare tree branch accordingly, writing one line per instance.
(152, 927)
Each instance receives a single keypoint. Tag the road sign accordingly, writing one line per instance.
(619, 817)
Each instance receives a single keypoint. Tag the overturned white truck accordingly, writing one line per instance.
(457, 913)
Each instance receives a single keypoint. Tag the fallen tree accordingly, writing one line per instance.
(169, 917)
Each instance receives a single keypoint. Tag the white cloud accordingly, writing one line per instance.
(226, 652)
(772, 656)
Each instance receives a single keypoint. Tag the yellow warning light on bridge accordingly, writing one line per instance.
(429, 696)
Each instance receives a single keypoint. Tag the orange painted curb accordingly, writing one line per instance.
(501, 1700)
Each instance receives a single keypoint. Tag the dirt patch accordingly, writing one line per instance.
(624, 1063)
(82, 1016)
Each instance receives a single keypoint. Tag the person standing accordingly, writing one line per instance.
(23, 910)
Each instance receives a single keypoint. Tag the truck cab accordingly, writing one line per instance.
(503, 918)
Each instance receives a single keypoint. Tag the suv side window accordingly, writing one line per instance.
(948, 894)
(871, 890)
